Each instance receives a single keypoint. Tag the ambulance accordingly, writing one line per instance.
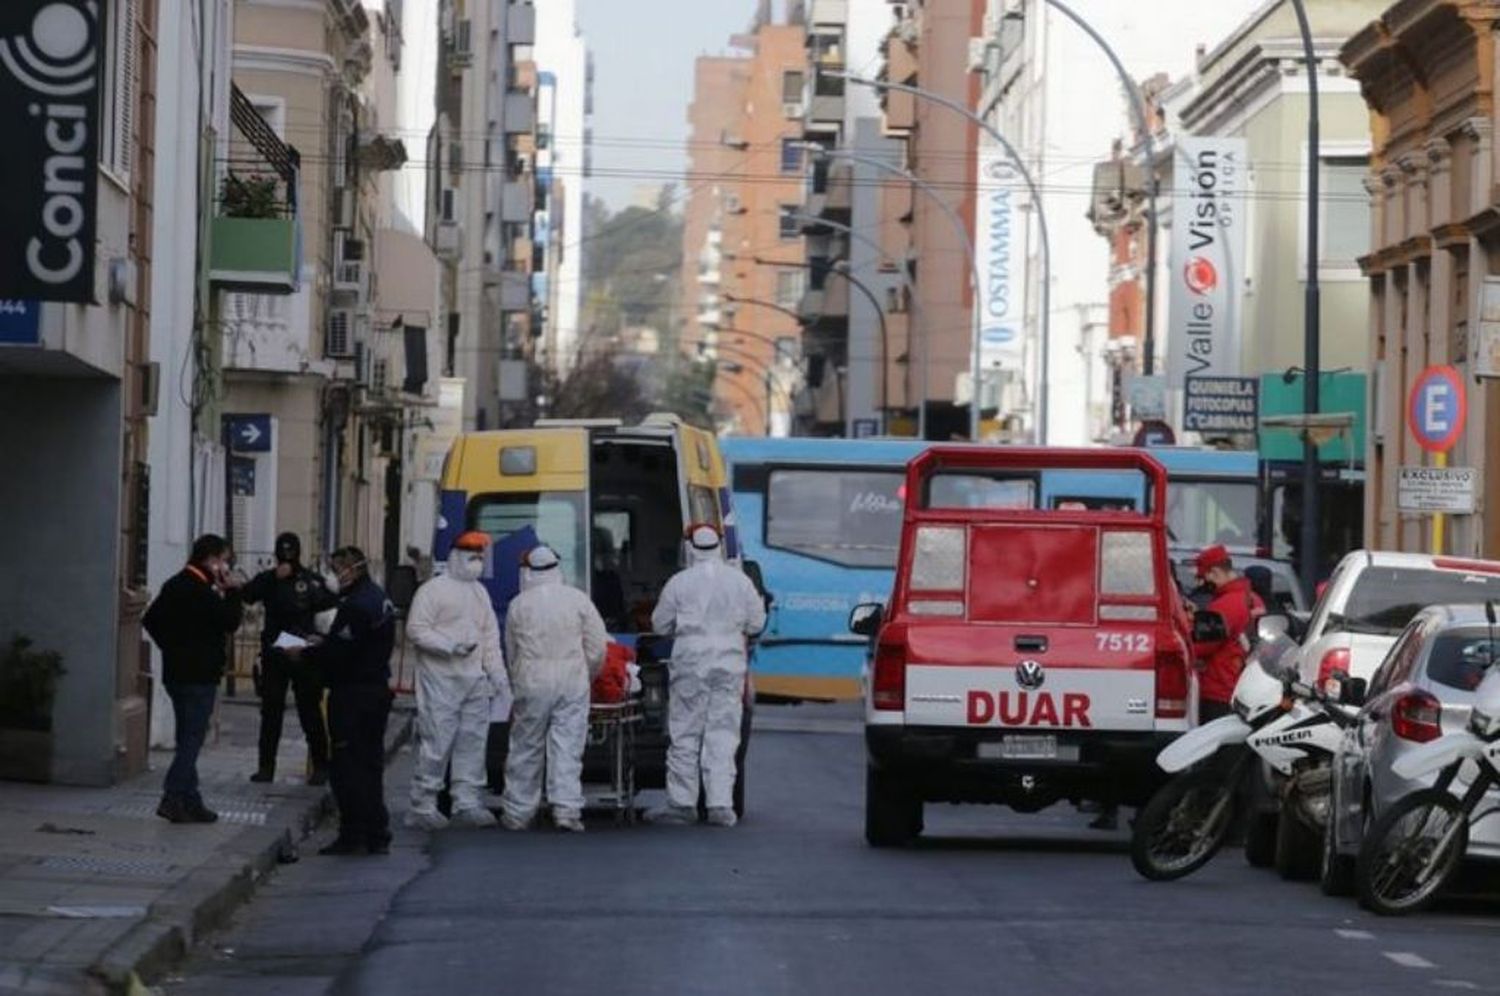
(1032, 651)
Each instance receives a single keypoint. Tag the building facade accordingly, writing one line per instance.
(77, 384)
(481, 158)
(1426, 69)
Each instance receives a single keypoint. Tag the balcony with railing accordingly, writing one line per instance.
(256, 231)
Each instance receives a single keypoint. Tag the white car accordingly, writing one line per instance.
(1371, 597)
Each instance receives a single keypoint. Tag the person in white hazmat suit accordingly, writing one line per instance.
(710, 609)
(555, 643)
(459, 670)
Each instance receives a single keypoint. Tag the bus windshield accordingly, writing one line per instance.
(1201, 513)
(848, 517)
(556, 516)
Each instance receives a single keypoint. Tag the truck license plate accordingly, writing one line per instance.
(1042, 747)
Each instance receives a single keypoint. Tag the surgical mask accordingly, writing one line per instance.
(469, 567)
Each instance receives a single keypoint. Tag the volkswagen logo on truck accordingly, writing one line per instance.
(49, 93)
(1029, 675)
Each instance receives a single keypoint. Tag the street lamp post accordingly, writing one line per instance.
(911, 293)
(967, 242)
(1143, 125)
(1041, 216)
(1310, 319)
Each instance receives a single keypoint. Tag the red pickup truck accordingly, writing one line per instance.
(1028, 655)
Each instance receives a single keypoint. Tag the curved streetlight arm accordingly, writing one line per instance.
(1045, 316)
(863, 288)
(964, 238)
(911, 293)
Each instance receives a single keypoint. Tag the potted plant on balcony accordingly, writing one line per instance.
(28, 688)
(253, 239)
(251, 196)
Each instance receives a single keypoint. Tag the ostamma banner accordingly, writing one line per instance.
(51, 58)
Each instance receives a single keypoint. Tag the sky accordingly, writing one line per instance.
(643, 81)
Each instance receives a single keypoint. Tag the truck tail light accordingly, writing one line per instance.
(1171, 684)
(1333, 662)
(888, 682)
(939, 559)
(1417, 716)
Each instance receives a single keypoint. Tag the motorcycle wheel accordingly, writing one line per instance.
(1298, 846)
(1403, 863)
(1183, 825)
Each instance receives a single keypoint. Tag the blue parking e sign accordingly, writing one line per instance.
(1437, 408)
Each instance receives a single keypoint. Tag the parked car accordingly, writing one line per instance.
(1423, 690)
(1371, 597)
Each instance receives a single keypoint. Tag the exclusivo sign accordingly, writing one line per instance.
(1207, 259)
(50, 62)
(1000, 248)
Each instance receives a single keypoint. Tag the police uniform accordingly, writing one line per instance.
(356, 662)
(291, 605)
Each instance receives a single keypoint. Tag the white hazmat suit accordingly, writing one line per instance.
(459, 669)
(709, 609)
(555, 643)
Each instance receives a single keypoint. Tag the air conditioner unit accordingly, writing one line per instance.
(462, 51)
(348, 265)
(791, 109)
(977, 49)
(338, 341)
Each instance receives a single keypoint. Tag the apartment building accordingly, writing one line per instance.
(481, 159)
(928, 47)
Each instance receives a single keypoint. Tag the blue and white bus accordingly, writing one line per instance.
(822, 518)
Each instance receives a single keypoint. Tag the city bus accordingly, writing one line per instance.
(822, 518)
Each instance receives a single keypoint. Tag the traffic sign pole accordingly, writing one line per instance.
(1436, 413)
(1438, 518)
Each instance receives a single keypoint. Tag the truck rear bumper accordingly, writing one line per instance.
(944, 765)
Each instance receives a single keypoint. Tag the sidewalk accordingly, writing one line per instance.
(96, 891)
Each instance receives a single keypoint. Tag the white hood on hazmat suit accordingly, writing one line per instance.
(709, 608)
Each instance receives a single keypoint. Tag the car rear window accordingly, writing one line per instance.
(1388, 597)
(1459, 660)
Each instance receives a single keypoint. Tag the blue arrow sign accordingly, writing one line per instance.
(250, 433)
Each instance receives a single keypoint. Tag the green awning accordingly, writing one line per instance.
(1340, 392)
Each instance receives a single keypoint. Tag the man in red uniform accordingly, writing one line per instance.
(1221, 661)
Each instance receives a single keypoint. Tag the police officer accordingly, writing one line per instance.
(356, 663)
(292, 595)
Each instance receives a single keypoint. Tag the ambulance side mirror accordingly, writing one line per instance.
(864, 620)
(1209, 627)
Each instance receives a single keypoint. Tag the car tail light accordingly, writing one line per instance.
(1467, 566)
(1171, 684)
(1334, 661)
(888, 683)
(1417, 716)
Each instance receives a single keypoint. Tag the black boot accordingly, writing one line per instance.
(174, 811)
(342, 847)
(319, 775)
(263, 774)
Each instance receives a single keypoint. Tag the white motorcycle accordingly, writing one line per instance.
(1413, 850)
(1294, 728)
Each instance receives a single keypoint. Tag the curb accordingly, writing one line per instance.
(207, 898)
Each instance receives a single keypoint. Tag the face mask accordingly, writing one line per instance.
(469, 568)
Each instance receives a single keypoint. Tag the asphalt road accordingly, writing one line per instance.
(792, 901)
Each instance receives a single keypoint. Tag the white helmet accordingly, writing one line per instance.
(1256, 693)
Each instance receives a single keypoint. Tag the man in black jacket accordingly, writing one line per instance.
(356, 663)
(191, 621)
(293, 596)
